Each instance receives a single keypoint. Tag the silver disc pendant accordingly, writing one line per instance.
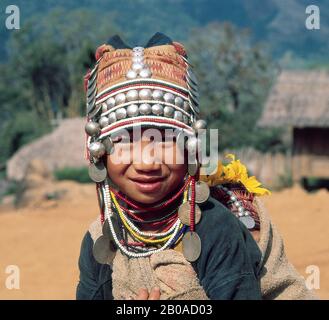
(97, 171)
(192, 168)
(104, 250)
(184, 213)
(202, 192)
(191, 246)
(248, 221)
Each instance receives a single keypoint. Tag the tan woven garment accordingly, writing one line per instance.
(177, 279)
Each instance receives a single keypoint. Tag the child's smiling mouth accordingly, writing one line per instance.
(148, 184)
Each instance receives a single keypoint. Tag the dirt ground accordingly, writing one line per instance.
(44, 243)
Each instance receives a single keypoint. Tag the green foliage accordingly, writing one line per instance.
(76, 174)
(43, 77)
(235, 77)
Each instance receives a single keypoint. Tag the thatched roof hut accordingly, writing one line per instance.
(299, 101)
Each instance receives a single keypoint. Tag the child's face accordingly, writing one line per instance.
(149, 179)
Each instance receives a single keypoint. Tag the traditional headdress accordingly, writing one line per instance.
(151, 86)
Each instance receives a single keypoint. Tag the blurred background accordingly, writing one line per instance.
(264, 83)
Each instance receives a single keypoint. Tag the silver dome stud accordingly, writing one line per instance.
(132, 110)
(178, 116)
(137, 66)
(137, 59)
(132, 95)
(110, 102)
(104, 107)
(168, 111)
(200, 124)
(186, 106)
(103, 122)
(169, 97)
(121, 113)
(92, 128)
(157, 94)
(179, 102)
(112, 117)
(131, 74)
(145, 73)
(157, 109)
(145, 94)
(145, 109)
(120, 98)
(97, 149)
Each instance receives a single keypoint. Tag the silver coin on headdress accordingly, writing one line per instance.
(202, 192)
(97, 171)
(191, 246)
(184, 213)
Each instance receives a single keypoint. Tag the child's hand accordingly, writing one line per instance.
(143, 294)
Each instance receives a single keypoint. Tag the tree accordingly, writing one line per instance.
(234, 79)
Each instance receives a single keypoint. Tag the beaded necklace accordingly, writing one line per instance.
(169, 238)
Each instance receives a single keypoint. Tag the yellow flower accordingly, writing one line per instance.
(234, 172)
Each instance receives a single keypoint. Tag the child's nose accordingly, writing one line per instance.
(147, 165)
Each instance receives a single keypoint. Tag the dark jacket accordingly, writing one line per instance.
(228, 267)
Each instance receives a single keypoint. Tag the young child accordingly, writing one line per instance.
(162, 234)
